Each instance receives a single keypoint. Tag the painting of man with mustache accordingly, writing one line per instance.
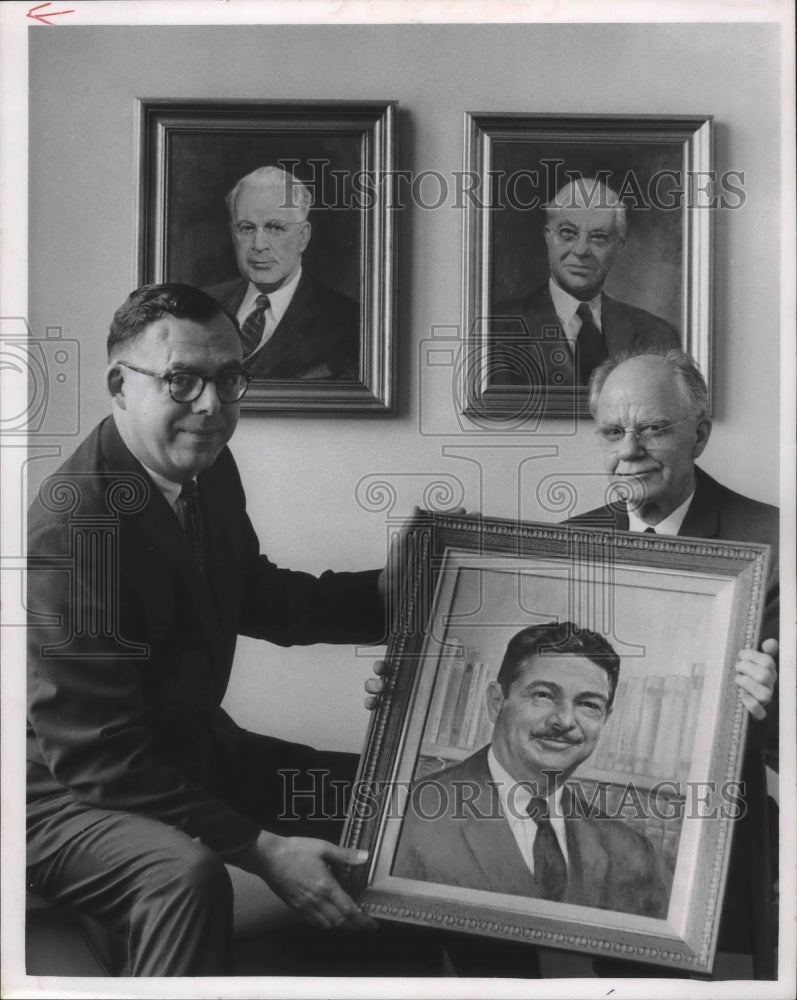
(505, 819)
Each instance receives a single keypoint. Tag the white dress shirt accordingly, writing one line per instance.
(169, 489)
(671, 524)
(278, 302)
(565, 306)
(514, 798)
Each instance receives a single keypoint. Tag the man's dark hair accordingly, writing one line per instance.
(557, 639)
(152, 302)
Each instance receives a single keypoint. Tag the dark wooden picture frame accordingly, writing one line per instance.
(678, 722)
(192, 153)
(661, 168)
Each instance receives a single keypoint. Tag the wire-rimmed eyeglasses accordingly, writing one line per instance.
(648, 435)
(275, 230)
(596, 239)
(187, 386)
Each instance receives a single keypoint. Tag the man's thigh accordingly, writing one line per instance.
(105, 869)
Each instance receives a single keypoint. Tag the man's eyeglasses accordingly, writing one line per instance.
(648, 435)
(569, 234)
(274, 230)
(186, 386)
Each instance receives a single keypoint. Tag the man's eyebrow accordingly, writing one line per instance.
(553, 686)
(227, 366)
(540, 682)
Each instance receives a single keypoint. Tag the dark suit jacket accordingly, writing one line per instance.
(139, 728)
(317, 338)
(718, 512)
(609, 865)
(528, 345)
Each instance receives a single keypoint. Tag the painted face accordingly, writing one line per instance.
(656, 467)
(269, 237)
(582, 245)
(176, 440)
(552, 717)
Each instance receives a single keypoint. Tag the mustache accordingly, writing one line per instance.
(556, 734)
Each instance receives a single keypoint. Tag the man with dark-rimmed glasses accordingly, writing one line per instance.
(144, 568)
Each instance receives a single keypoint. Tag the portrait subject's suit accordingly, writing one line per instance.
(318, 337)
(718, 512)
(131, 722)
(528, 345)
(471, 845)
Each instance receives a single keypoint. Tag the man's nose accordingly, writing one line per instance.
(208, 401)
(261, 240)
(629, 447)
(582, 246)
(563, 715)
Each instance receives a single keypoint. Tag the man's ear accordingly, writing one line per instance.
(307, 230)
(115, 380)
(702, 434)
(495, 699)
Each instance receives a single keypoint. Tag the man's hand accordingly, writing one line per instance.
(298, 870)
(756, 673)
(391, 575)
(374, 686)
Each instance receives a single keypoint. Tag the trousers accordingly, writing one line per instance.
(168, 895)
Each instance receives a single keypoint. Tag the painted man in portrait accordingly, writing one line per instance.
(293, 326)
(557, 334)
(505, 819)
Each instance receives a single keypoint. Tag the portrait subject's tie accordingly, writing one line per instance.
(550, 867)
(192, 520)
(591, 349)
(254, 325)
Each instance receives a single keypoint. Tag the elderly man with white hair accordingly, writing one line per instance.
(292, 325)
(560, 332)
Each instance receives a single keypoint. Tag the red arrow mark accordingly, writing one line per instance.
(43, 17)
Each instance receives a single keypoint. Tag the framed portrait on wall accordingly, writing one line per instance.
(283, 212)
(580, 678)
(584, 236)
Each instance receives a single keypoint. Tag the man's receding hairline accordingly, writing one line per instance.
(664, 365)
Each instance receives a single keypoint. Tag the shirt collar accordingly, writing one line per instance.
(514, 795)
(671, 524)
(169, 489)
(566, 305)
(278, 300)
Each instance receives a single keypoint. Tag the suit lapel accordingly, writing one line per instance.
(292, 345)
(703, 516)
(587, 860)
(160, 526)
(494, 848)
(219, 547)
(617, 329)
(557, 356)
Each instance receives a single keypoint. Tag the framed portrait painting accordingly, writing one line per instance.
(281, 211)
(585, 236)
(579, 678)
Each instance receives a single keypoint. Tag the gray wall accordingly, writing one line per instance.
(302, 474)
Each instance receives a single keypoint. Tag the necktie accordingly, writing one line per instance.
(253, 326)
(550, 868)
(192, 520)
(649, 531)
(590, 349)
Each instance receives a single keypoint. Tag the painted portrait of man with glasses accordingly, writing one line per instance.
(557, 334)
